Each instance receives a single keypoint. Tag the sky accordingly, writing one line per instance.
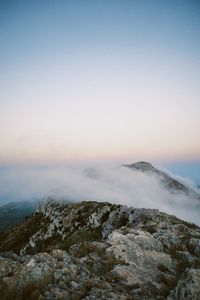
(100, 80)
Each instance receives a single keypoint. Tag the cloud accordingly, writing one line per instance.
(113, 184)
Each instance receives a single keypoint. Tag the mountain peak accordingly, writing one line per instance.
(166, 179)
(142, 165)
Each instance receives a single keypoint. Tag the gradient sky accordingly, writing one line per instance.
(99, 80)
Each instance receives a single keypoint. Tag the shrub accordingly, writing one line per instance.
(29, 291)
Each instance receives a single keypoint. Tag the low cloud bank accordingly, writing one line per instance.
(76, 183)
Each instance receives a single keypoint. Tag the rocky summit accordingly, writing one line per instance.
(93, 250)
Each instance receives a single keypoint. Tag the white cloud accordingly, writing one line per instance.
(113, 184)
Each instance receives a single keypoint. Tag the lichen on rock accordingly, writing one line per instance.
(92, 250)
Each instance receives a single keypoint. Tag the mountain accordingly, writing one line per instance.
(14, 213)
(104, 183)
(172, 184)
(93, 250)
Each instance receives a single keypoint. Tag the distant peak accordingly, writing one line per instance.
(141, 165)
(167, 180)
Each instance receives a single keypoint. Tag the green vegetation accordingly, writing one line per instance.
(16, 238)
(81, 236)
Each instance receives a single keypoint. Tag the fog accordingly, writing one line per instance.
(119, 185)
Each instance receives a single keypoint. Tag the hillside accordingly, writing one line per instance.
(14, 213)
(92, 250)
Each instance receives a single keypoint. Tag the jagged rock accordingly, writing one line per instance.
(141, 252)
(188, 286)
(94, 250)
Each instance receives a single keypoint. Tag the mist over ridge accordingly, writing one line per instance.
(115, 184)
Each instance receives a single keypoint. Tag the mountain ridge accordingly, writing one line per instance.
(169, 181)
(97, 250)
(15, 212)
(100, 250)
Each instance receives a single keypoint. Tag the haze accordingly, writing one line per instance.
(84, 80)
(99, 82)
(96, 183)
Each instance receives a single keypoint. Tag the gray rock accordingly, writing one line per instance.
(94, 250)
(188, 286)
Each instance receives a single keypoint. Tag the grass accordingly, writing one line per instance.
(29, 291)
(122, 221)
(86, 248)
(81, 236)
(170, 280)
(17, 238)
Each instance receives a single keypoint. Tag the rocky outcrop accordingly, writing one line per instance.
(168, 181)
(92, 250)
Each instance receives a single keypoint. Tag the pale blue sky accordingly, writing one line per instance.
(99, 80)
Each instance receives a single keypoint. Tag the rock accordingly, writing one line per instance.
(188, 286)
(141, 254)
(94, 250)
